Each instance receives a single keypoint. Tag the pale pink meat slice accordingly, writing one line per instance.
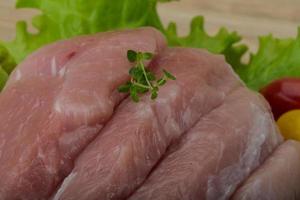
(277, 179)
(217, 154)
(55, 104)
(138, 135)
(52, 59)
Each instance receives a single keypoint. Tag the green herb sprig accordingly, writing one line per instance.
(142, 79)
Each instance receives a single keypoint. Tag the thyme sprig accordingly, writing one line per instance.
(142, 79)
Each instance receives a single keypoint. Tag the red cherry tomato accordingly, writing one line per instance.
(283, 95)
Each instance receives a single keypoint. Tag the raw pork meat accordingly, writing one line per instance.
(138, 136)
(62, 135)
(278, 178)
(216, 155)
(56, 102)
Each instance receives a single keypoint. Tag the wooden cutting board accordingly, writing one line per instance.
(249, 17)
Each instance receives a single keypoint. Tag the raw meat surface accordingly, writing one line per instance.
(63, 137)
(138, 135)
(56, 102)
(216, 155)
(278, 178)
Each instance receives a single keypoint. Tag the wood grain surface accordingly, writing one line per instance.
(249, 17)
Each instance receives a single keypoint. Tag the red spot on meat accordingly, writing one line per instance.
(71, 55)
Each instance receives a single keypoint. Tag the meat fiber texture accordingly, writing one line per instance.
(217, 154)
(67, 133)
(56, 102)
(278, 178)
(203, 136)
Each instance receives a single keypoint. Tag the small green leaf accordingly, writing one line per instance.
(136, 73)
(169, 75)
(131, 55)
(139, 56)
(161, 82)
(133, 94)
(154, 94)
(124, 88)
(142, 79)
(151, 76)
(141, 90)
(147, 56)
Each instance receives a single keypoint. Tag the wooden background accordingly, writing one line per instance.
(249, 17)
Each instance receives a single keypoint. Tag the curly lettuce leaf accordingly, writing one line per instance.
(61, 19)
(7, 64)
(275, 59)
(223, 42)
(3, 77)
(163, 1)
